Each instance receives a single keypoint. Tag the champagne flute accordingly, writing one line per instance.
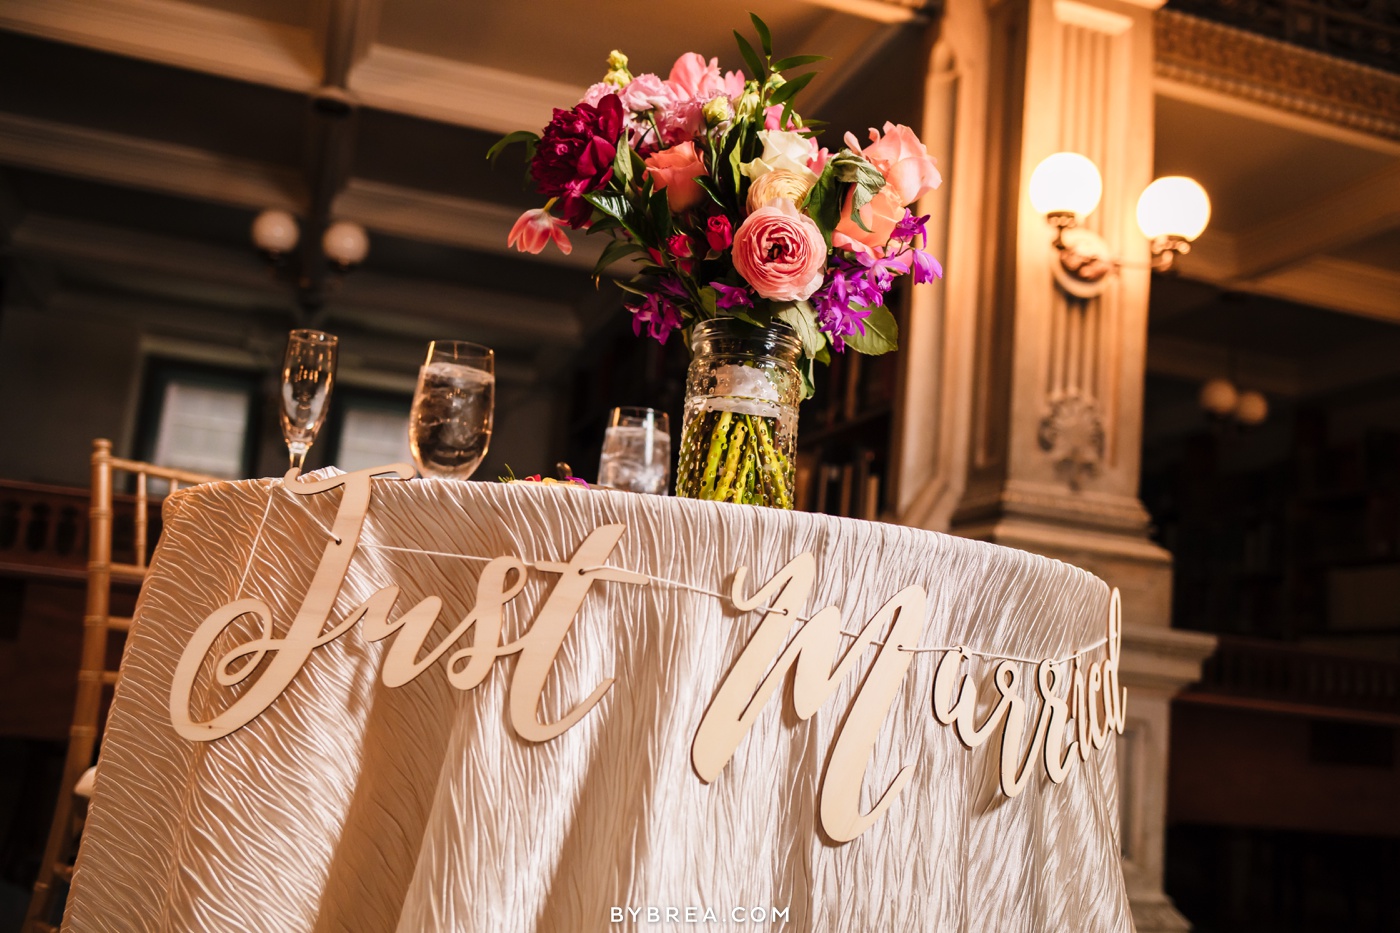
(449, 427)
(308, 369)
(636, 451)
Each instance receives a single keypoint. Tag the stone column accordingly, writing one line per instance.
(1021, 414)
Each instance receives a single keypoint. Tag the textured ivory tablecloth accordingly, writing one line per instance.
(352, 806)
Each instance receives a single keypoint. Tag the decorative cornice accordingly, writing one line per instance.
(1198, 52)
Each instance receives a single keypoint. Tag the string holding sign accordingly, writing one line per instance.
(1097, 699)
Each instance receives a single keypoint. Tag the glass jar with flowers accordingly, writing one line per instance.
(767, 251)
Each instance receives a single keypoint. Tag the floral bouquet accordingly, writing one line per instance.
(718, 192)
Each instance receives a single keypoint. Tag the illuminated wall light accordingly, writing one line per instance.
(1066, 187)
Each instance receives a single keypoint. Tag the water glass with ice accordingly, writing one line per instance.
(449, 427)
(636, 451)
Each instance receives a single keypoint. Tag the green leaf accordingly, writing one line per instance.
(764, 36)
(797, 61)
(622, 163)
(615, 250)
(519, 136)
(751, 57)
(708, 297)
(614, 205)
(708, 185)
(660, 212)
(823, 202)
(809, 382)
(850, 168)
(881, 334)
(803, 319)
(790, 89)
(736, 157)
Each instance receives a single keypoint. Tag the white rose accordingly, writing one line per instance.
(782, 149)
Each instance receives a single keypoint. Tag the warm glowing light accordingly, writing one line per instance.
(345, 243)
(1252, 408)
(1219, 397)
(1174, 206)
(275, 231)
(1066, 183)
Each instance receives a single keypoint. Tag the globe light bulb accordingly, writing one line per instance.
(345, 243)
(1066, 183)
(275, 231)
(1219, 397)
(1174, 206)
(1252, 408)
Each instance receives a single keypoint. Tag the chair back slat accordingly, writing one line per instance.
(93, 674)
(141, 515)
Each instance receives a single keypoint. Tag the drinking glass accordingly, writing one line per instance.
(636, 451)
(449, 427)
(308, 369)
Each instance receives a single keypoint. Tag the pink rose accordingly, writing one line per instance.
(679, 250)
(880, 215)
(719, 233)
(674, 171)
(780, 252)
(646, 92)
(817, 163)
(536, 228)
(902, 159)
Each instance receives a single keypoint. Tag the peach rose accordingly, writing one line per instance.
(780, 252)
(674, 171)
(902, 159)
(880, 215)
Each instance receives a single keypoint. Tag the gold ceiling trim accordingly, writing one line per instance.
(1267, 71)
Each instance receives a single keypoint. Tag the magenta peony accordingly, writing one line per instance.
(575, 155)
(780, 252)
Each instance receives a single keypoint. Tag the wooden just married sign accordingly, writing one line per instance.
(1089, 694)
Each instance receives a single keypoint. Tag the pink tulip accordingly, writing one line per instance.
(536, 228)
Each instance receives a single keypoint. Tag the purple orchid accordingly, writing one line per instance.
(731, 296)
(658, 315)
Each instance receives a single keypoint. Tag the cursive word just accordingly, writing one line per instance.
(406, 658)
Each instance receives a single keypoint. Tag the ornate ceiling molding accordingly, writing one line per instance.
(1220, 58)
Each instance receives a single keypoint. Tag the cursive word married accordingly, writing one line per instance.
(755, 677)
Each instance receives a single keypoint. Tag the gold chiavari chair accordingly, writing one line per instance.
(94, 676)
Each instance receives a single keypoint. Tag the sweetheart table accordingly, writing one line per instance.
(409, 704)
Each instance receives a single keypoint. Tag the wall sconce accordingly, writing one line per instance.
(344, 244)
(1066, 187)
(1221, 398)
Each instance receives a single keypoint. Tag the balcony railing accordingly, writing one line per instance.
(1268, 675)
(44, 530)
(1364, 31)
